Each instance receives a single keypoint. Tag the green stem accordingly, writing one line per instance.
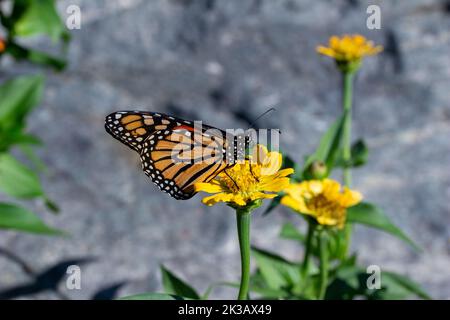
(243, 227)
(309, 237)
(323, 268)
(347, 131)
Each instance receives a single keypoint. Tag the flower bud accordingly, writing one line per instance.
(318, 170)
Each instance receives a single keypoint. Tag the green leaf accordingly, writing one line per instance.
(174, 285)
(395, 286)
(288, 162)
(277, 272)
(52, 206)
(328, 148)
(289, 231)
(334, 243)
(37, 164)
(272, 205)
(372, 216)
(212, 286)
(337, 244)
(18, 218)
(21, 53)
(350, 281)
(259, 286)
(15, 136)
(9, 136)
(347, 283)
(359, 155)
(27, 139)
(153, 296)
(17, 99)
(39, 17)
(17, 180)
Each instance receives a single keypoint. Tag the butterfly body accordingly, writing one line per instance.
(176, 153)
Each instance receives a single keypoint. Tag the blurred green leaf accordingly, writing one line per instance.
(17, 11)
(26, 139)
(277, 272)
(153, 296)
(37, 164)
(337, 244)
(215, 285)
(18, 218)
(396, 286)
(174, 285)
(335, 241)
(21, 53)
(348, 283)
(17, 180)
(259, 286)
(273, 204)
(328, 148)
(9, 137)
(372, 216)
(17, 99)
(16, 137)
(38, 17)
(289, 231)
(359, 155)
(288, 162)
(52, 206)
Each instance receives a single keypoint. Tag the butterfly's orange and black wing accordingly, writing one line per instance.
(174, 153)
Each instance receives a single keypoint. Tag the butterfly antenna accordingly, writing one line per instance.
(231, 179)
(251, 171)
(262, 115)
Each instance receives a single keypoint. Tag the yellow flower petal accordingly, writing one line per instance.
(207, 187)
(290, 202)
(322, 199)
(275, 185)
(272, 163)
(349, 48)
(220, 197)
(285, 172)
(254, 179)
(326, 51)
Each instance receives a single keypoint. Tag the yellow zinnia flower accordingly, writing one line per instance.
(322, 199)
(258, 178)
(349, 50)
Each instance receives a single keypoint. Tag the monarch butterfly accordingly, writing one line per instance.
(176, 153)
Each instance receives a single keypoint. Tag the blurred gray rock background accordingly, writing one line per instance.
(226, 62)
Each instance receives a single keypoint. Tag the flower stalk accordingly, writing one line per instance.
(323, 267)
(243, 187)
(347, 107)
(347, 87)
(243, 216)
(308, 247)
